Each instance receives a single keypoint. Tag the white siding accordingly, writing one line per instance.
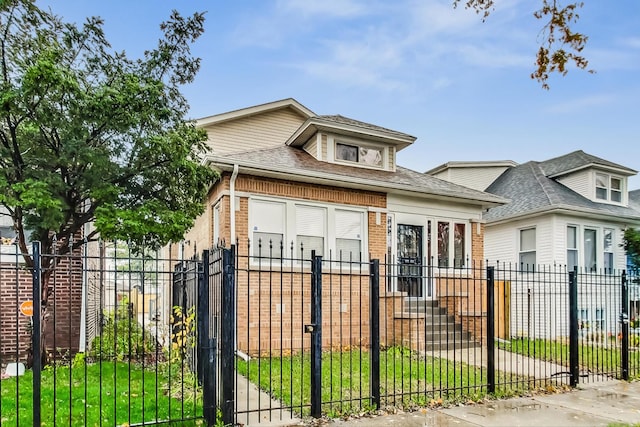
(582, 182)
(265, 130)
(501, 241)
(478, 178)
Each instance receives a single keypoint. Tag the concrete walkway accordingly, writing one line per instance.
(596, 404)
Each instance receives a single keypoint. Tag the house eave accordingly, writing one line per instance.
(567, 210)
(317, 124)
(316, 177)
(257, 109)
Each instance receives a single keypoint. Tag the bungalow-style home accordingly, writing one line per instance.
(567, 211)
(331, 184)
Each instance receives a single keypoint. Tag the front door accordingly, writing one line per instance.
(410, 272)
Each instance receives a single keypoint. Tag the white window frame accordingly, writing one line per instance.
(573, 249)
(587, 265)
(607, 250)
(9, 250)
(330, 231)
(530, 267)
(261, 223)
(608, 188)
(383, 149)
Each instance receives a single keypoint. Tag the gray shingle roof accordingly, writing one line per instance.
(298, 162)
(577, 160)
(368, 126)
(530, 190)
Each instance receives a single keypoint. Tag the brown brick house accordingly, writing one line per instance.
(331, 184)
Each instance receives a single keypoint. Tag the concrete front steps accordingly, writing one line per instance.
(424, 326)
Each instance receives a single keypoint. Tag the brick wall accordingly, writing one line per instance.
(62, 320)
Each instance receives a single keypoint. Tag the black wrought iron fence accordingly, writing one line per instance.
(93, 337)
(144, 339)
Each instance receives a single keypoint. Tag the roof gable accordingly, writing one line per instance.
(579, 160)
(289, 103)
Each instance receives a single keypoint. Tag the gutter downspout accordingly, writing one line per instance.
(232, 203)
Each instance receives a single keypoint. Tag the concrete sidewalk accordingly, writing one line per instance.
(595, 404)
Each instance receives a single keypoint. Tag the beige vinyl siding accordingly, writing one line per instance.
(392, 159)
(478, 178)
(434, 208)
(324, 148)
(500, 244)
(265, 130)
(311, 147)
(582, 182)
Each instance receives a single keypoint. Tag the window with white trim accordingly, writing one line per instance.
(459, 245)
(367, 155)
(527, 256)
(590, 252)
(572, 247)
(607, 239)
(443, 244)
(333, 231)
(268, 227)
(9, 250)
(348, 235)
(608, 188)
(310, 230)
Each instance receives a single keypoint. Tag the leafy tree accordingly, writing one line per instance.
(561, 46)
(88, 135)
(631, 244)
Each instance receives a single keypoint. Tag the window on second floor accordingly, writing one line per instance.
(528, 249)
(361, 154)
(608, 188)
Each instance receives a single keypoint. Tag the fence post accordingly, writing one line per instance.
(624, 320)
(374, 330)
(316, 335)
(203, 315)
(228, 333)
(36, 333)
(491, 345)
(573, 328)
(209, 397)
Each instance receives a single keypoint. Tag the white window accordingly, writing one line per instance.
(608, 250)
(598, 321)
(310, 230)
(590, 255)
(361, 154)
(608, 188)
(267, 226)
(331, 231)
(348, 235)
(9, 250)
(528, 249)
(216, 224)
(572, 247)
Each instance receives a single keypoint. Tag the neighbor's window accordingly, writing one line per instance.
(267, 226)
(369, 156)
(572, 247)
(590, 256)
(528, 249)
(608, 188)
(608, 250)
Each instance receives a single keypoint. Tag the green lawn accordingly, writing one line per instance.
(592, 356)
(406, 379)
(108, 394)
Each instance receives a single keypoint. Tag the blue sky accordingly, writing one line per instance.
(459, 85)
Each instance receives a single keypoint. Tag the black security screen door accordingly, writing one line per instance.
(410, 259)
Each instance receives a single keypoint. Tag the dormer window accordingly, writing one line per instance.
(608, 188)
(364, 155)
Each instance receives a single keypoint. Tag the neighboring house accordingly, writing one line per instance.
(331, 184)
(567, 211)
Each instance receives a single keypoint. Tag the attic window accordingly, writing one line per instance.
(608, 188)
(369, 156)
